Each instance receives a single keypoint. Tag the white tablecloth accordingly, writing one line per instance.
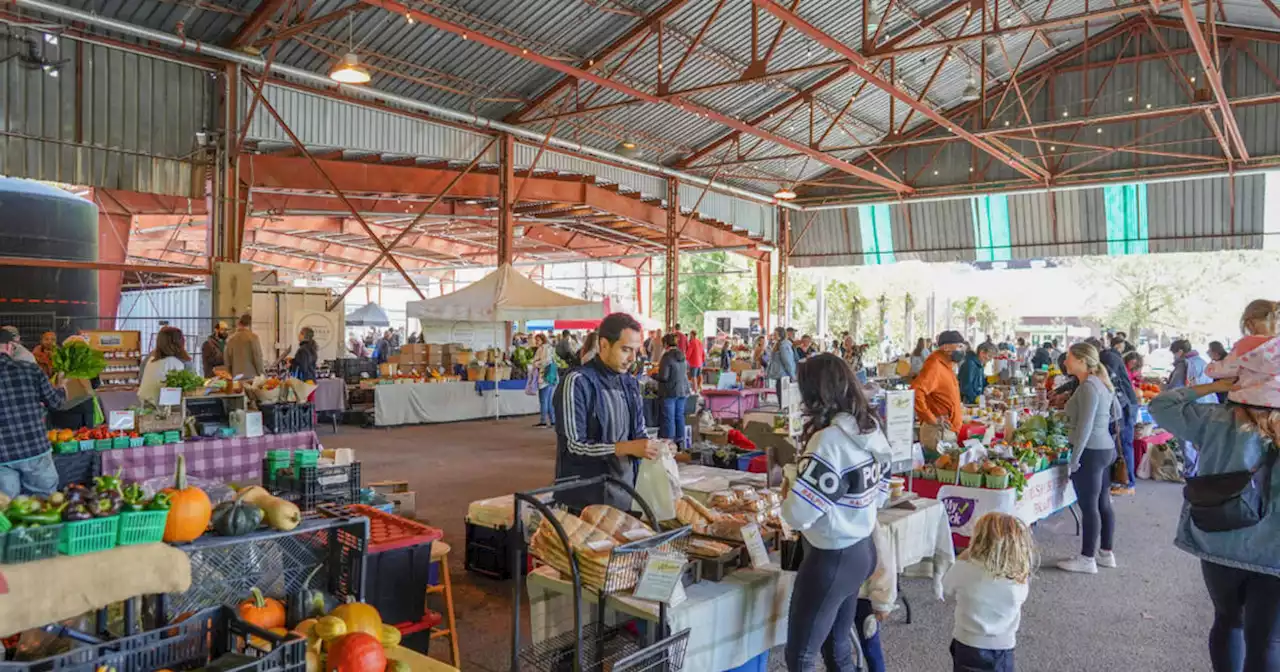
(920, 540)
(416, 403)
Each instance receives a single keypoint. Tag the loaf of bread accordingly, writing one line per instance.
(726, 529)
(722, 499)
(623, 527)
(745, 493)
(690, 511)
(591, 546)
(708, 548)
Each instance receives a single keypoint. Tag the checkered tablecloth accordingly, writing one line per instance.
(236, 460)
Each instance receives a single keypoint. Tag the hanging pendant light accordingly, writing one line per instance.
(784, 194)
(349, 70)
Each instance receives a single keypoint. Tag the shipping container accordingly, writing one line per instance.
(279, 312)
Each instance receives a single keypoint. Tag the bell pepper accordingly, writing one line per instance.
(39, 518)
(107, 482)
(133, 494)
(22, 505)
(160, 502)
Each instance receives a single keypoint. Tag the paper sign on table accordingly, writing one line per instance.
(121, 421)
(170, 396)
(755, 546)
(660, 577)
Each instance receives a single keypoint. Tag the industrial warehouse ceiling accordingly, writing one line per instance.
(840, 101)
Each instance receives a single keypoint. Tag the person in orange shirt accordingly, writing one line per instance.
(938, 406)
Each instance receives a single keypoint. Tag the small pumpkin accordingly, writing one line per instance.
(359, 617)
(189, 508)
(264, 612)
(329, 628)
(356, 652)
(390, 636)
(236, 518)
(304, 627)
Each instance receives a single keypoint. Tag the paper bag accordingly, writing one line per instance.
(658, 483)
(300, 389)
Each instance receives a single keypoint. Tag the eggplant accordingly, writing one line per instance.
(75, 512)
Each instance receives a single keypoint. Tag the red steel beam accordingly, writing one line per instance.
(540, 59)
(256, 22)
(305, 26)
(1211, 72)
(31, 262)
(1050, 24)
(636, 32)
(863, 68)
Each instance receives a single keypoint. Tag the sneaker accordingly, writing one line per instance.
(1106, 559)
(541, 424)
(1080, 565)
(1121, 490)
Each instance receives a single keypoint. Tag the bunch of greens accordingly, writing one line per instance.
(184, 379)
(1017, 479)
(77, 360)
(523, 356)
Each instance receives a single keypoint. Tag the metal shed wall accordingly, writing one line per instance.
(1183, 216)
(111, 118)
(750, 216)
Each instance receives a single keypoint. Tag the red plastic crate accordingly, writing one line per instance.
(388, 532)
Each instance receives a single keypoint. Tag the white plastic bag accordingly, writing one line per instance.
(658, 483)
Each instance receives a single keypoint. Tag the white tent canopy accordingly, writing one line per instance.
(504, 295)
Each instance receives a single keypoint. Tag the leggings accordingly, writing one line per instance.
(1092, 481)
(824, 606)
(1246, 619)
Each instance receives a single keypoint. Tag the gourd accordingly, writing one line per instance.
(306, 602)
(356, 652)
(359, 617)
(189, 508)
(390, 636)
(236, 518)
(329, 628)
(264, 612)
(280, 514)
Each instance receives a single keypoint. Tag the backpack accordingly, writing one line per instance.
(1234, 500)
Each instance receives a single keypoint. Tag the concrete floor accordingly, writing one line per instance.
(1150, 614)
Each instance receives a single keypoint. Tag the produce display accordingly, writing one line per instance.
(187, 380)
(351, 638)
(98, 433)
(76, 359)
(731, 510)
(1039, 442)
(107, 497)
(1147, 391)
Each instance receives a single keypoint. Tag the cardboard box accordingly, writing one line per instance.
(404, 501)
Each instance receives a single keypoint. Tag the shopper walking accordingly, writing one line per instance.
(696, 355)
(938, 405)
(244, 351)
(545, 369)
(1236, 545)
(842, 480)
(1090, 411)
(307, 356)
(673, 389)
(1113, 359)
(989, 584)
(782, 360)
(26, 397)
(211, 353)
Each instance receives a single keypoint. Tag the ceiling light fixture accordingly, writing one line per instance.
(784, 194)
(349, 70)
(971, 90)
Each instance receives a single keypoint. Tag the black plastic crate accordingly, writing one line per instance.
(350, 369)
(396, 582)
(303, 417)
(202, 638)
(488, 552)
(309, 487)
(277, 418)
(77, 467)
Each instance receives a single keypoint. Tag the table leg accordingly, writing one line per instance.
(1075, 514)
(130, 614)
(905, 603)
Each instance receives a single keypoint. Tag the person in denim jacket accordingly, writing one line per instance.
(1241, 567)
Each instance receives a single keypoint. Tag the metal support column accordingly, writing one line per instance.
(764, 287)
(784, 263)
(671, 269)
(506, 175)
(230, 200)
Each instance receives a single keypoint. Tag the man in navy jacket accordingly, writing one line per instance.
(601, 418)
(973, 377)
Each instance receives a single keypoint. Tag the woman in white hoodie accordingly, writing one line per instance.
(842, 479)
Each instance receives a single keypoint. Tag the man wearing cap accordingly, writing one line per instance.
(211, 354)
(26, 396)
(20, 354)
(938, 406)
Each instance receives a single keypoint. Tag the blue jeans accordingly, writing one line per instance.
(673, 419)
(1246, 619)
(965, 658)
(868, 629)
(32, 476)
(1126, 442)
(546, 411)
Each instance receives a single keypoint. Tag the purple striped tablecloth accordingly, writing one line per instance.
(235, 460)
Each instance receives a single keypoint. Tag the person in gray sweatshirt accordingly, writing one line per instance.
(1090, 412)
(842, 479)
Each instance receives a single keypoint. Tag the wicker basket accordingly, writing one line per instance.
(498, 372)
(463, 357)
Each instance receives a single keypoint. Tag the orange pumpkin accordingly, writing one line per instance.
(356, 652)
(359, 617)
(189, 509)
(264, 612)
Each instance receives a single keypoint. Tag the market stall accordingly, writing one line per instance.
(733, 403)
(415, 403)
(1046, 493)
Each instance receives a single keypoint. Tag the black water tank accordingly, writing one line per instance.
(42, 221)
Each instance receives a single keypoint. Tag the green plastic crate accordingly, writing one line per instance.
(87, 446)
(279, 455)
(89, 536)
(103, 444)
(119, 442)
(173, 437)
(67, 447)
(141, 527)
(5, 526)
(25, 544)
(153, 439)
(136, 441)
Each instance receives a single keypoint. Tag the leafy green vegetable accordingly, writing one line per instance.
(1017, 479)
(523, 356)
(77, 360)
(184, 379)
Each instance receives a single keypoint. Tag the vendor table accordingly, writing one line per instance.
(234, 460)
(330, 395)
(1140, 446)
(733, 403)
(416, 403)
(1046, 493)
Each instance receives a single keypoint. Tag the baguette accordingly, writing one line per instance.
(621, 526)
(708, 548)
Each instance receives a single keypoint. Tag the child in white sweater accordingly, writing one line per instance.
(988, 584)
